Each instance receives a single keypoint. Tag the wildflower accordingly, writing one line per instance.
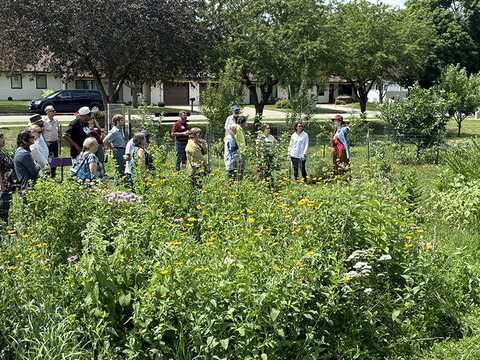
(11, 231)
(304, 282)
(420, 230)
(367, 291)
(408, 245)
(71, 258)
(11, 268)
(287, 216)
(299, 263)
(199, 207)
(272, 214)
(25, 236)
(346, 278)
(228, 237)
(198, 269)
(178, 263)
(164, 295)
(308, 226)
(18, 256)
(385, 257)
(164, 272)
(249, 211)
(274, 244)
(67, 277)
(235, 218)
(310, 253)
(166, 202)
(252, 220)
(295, 222)
(209, 243)
(191, 219)
(277, 268)
(141, 269)
(50, 227)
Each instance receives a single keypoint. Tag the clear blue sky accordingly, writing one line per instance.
(398, 3)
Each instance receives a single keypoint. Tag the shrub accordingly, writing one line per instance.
(161, 104)
(283, 104)
(46, 93)
(340, 102)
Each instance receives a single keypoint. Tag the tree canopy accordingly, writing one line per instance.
(376, 42)
(272, 41)
(118, 40)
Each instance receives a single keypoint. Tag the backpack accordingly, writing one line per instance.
(81, 171)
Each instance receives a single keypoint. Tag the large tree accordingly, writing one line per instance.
(376, 42)
(273, 41)
(116, 40)
(457, 38)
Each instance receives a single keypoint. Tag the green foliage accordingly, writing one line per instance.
(419, 120)
(462, 93)
(217, 100)
(149, 122)
(45, 93)
(283, 104)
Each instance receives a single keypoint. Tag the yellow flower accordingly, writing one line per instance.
(50, 227)
(198, 269)
(277, 268)
(141, 269)
(429, 246)
(164, 272)
(206, 269)
(67, 277)
(164, 295)
(408, 237)
(299, 263)
(199, 207)
(337, 231)
(308, 226)
(25, 236)
(249, 211)
(166, 202)
(291, 248)
(318, 207)
(18, 256)
(11, 268)
(228, 237)
(178, 263)
(191, 219)
(275, 243)
(408, 245)
(11, 231)
(272, 214)
(344, 254)
(420, 231)
(235, 218)
(310, 253)
(252, 220)
(256, 234)
(209, 243)
(346, 278)
(287, 216)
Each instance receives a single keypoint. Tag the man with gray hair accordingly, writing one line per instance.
(52, 134)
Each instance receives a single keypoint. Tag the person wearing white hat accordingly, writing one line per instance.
(77, 131)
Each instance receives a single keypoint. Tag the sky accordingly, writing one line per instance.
(398, 3)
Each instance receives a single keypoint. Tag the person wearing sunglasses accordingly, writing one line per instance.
(52, 134)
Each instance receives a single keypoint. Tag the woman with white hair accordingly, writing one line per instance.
(90, 147)
(231, 152)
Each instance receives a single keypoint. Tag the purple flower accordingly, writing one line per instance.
(178, 219)
(305, 282)
(72, 258)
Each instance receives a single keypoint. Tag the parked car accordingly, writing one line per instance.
(68, 101)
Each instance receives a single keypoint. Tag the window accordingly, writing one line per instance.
(85, 84)
(79, 94)
(16, 81)
(321, 93)
(41, 81)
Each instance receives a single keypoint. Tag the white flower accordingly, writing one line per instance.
(361, 265)
(385, 257)
(367, 291)
(352, 274)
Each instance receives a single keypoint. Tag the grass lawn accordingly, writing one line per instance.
(13, 107)
(371, 106)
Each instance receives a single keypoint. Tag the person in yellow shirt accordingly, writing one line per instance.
(197, 165)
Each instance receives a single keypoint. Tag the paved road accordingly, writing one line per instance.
(22, 119)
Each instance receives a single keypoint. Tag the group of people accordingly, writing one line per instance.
(297, 148)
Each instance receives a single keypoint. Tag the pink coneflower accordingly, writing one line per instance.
(72, 258)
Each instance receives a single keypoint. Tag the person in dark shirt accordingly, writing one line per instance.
(25, 168)
(77, 131)
(180, 131)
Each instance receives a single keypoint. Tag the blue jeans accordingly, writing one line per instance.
(181, 154)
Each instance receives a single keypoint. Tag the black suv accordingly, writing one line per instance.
(68, 101)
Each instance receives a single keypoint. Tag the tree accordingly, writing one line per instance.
(116, 40)
(419, 120)
(216, 101)
(272, 42)
(455, 40)
(462, 93)
(376, 43)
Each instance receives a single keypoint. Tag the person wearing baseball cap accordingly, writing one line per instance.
(77, 131)
(341, 152)
(232, 119)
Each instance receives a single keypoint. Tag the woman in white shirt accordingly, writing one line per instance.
(297, 151)
(39, 149)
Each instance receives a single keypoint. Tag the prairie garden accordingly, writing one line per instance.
(384, 265)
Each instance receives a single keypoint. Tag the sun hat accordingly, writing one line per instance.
(84, 111)
(35, 118)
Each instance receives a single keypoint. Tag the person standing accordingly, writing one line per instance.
(341, 152)
(52, 135)
(197, 165)
(77, 131)
(242, 145)
(180, 131)
(115, 141)
(6, 172)
(26, 170)
(39, 149)
(96, 133)
(232, 119)
(231, 153)
(297, 151)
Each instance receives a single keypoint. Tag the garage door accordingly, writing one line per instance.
(176, 95)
